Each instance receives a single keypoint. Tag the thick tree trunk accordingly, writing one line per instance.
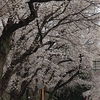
(4, 50)
(2, 62)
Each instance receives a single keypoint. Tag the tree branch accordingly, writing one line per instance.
(9, 71)
(68, 59)
(39, 32)
(25, 83)
(61, 85)
(44, 0)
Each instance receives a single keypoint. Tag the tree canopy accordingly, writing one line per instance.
(51, 41)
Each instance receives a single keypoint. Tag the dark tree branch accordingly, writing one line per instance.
(68, 72)
(58, 47)
(63, 20)
(69, 80)
(39, 32)
(7, 32)
(68, 59)
(44, 0)
(61, 85)
(9, 29)
(32, 9)
(52, 75)
(47, 70)
(25, 83)
(50, 17)
(10, 70)
(50, 43)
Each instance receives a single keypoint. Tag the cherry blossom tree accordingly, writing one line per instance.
(48, 40)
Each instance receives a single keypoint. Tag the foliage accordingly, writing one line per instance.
(50, 41)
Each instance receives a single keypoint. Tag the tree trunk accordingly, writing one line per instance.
(4, 50)
(2, 62)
